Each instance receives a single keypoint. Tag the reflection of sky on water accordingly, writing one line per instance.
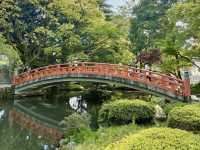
(2, 113)
(75, 103)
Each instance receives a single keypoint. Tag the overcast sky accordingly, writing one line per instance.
(116, 3)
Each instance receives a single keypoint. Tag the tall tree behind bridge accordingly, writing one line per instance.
(145, 23)
(56, 31)
(106, 9)
(181, 40)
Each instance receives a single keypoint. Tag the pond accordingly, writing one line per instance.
(35, 123)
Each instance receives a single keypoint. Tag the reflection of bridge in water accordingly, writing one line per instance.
(144, 80)
(36, 123)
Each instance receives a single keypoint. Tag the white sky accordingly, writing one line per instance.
(116, 3)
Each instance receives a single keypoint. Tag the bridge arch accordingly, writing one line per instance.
(148, 81)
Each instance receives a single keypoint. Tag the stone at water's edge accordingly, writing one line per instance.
(195, 98)
(160, 114)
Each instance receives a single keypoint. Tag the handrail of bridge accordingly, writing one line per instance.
(166, 82)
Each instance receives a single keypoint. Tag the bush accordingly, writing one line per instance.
(195, 89)
(169, 106)
(74, 123)
(166, 105)
(187, 117)
(100, 139)
(126, 111)
(158, 139)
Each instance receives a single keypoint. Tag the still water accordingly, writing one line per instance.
(35, 123)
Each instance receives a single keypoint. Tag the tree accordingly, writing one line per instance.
(181, 39)
(149, 58)
(12, 54)
(145, 23)
(127, 9)
(48, 32)
(106, 9)
(8, 50)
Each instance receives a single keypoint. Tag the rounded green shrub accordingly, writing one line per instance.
(158, 139)
(75, 123)
(187, 117)
(169, 106)
(126, 111)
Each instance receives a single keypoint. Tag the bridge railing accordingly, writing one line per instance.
(169, 83)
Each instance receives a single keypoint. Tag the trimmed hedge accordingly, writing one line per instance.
(187, 118)
(158, 139)
(169, 106)
(126, 111)
(195, 88)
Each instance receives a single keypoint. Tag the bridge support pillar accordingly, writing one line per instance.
(186, 90)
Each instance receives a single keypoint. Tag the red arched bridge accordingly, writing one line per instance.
(148, 81)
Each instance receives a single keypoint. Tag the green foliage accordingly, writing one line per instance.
(169, 106)
(106, 9)
(187, 117)
(106, 43)
(8, 50)
(98, 140)
(166, 105)
(180, 38)
(49, 32)
(126, 111)
(145, 24)
(170, 27)
(74, 123)
(158, 139)
(171, 65)
(195, 89)
(74, 87)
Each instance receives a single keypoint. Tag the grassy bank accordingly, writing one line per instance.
(98, 140)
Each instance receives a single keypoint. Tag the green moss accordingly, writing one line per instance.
(187, 117)
(158, 139)
(126, 111)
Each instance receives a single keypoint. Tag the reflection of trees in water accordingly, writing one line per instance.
(78, 104)
(11, 136)
(4, 74)
(5, 68)
(90, 102)
(85, 102)
(2, 114)
(94, 102)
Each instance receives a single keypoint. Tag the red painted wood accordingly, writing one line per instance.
(162, 81)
